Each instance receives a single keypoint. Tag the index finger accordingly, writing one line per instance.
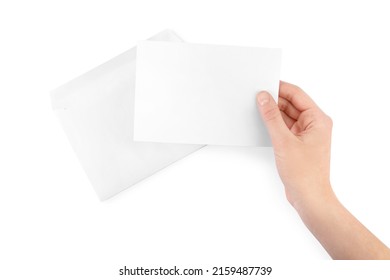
(297, 97)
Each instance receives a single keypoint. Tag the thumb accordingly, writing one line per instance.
(272, 117)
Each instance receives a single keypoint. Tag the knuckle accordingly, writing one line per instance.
(271, 113)
(329, 121)
(297, 88)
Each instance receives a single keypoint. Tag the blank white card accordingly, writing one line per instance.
(202, 94)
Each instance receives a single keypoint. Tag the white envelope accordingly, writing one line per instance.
(203, 94)
(96, 111)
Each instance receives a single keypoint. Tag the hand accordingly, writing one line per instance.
(301, 137)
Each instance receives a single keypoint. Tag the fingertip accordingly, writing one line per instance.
(263, 98)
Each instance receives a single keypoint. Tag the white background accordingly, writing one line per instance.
(220, 206)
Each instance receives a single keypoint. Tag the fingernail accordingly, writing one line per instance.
(262, 98)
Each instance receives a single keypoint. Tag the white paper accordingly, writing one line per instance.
(202, 94)
(96, 112)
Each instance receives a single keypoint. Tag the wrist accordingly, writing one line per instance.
(314, 198)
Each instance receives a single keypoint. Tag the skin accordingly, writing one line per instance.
(301, 137)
